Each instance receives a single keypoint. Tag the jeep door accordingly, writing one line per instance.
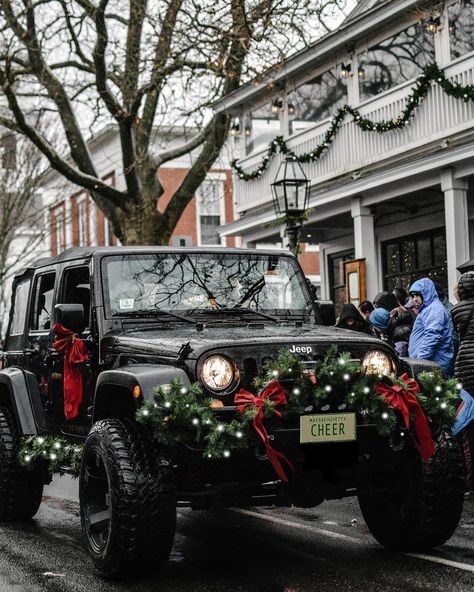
(14, 348)
(75, 288)
(39, 336)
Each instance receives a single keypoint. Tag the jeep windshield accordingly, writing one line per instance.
(204, 285)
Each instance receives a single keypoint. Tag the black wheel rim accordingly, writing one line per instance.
(96, 501)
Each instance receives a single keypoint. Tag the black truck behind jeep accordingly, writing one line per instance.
(149, 315)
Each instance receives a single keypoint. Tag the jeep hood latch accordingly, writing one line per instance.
(184, 352)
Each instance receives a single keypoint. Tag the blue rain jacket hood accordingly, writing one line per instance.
(431, 337)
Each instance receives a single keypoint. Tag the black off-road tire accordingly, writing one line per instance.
(21, 489)
(127, 499)
(419, 505)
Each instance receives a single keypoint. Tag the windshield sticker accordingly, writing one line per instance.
(126, 303)
(301, 349)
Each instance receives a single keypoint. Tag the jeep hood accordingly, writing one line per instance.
(168, 342)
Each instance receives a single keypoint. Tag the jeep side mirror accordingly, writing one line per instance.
(327, 310)
(70, 316)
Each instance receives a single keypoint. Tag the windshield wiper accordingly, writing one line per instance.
(157, 312)
(238, 310)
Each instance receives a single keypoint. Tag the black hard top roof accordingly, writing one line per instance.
(85, 252)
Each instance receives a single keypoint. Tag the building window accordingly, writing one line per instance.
(82, 222)
(58, 229)
(395, 60)
(261, 126)
(461, 28)
(409, 258)
(210, 205)
(107, 233)
(316, 100)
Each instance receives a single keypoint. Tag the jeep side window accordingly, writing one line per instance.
(20, 304)
(43, 302)
(76, 290)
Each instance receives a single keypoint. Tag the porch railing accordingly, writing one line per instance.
(439, 117)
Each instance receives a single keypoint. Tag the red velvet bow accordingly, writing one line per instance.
(405, 401)
(75, 352)
(278, 396)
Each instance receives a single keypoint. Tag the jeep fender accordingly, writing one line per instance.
(19, 391)
(114, 390)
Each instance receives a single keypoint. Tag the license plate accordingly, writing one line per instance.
(333, 427)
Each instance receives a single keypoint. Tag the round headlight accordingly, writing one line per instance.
(218, 373)
(377, 362)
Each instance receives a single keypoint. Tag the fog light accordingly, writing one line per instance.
(215, 403)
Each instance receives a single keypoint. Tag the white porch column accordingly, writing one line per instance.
(457, 229)
(364, 243)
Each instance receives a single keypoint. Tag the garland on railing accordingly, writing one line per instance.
(431, 73)
(182, 415)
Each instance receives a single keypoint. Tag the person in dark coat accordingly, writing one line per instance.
(400, 326)
(398, 331)
(442, 295)
(350, 318)
(366, 308)
(401, 295)
(386, 300)
(462, 315)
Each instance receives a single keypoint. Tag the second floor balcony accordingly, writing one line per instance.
(439, 123)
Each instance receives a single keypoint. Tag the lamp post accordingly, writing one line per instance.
(290, 193)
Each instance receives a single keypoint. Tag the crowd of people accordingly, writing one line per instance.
(422, 323)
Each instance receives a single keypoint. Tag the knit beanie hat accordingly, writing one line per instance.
(380, 318)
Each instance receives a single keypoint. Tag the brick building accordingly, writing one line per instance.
(74, 220)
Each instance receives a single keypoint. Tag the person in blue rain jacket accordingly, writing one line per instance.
(431, 337)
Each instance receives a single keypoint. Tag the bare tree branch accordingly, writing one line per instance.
(153, 70)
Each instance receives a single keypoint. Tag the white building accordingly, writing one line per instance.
(402, 200)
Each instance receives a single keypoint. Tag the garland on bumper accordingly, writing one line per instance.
(431, 73)
(285, 391)
(182, 415)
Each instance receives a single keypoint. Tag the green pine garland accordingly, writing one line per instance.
(431, 73)
(183, 415)
(57, 455)
(180, 415)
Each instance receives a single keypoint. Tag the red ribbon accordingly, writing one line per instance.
(75, 352)
(278, 396)
(405, 401)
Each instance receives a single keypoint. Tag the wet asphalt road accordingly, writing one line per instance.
(267, 550)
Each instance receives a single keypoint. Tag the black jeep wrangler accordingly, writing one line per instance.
(215, 316)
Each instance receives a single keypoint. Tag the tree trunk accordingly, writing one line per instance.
(142, 226)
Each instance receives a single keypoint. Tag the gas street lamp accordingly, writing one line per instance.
(290, 193)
